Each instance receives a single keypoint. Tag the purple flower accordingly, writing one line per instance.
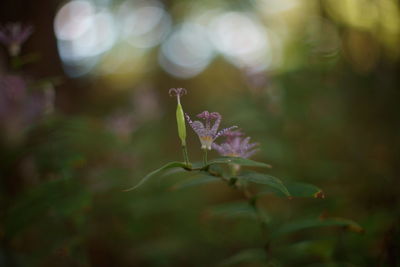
(208, 133)
(19, 105)
(236, 146)
(13, 93)
(13, 35)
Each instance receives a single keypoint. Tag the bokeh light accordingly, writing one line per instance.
(241, 39)
(143, 24)
(83, 37)
(187, 51)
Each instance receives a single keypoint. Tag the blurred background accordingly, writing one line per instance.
(314, 82)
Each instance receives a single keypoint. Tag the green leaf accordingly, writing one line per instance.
(239, 161)
(304, 190)
(198, 179)
(246, 256)
(315, 223)
(233, 210)
(167, 166)
(260, 178)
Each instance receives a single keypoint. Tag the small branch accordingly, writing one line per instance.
(251, 198)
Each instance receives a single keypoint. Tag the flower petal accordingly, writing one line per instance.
(218, 118)
(197, 126)
(223, 131)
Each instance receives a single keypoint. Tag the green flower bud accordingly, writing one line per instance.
(180, 119)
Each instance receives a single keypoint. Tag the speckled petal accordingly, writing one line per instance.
(218, 118)
(223, 131)
(197, 126)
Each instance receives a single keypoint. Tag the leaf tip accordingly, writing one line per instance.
(356, 228)
(319, 194)
(129, 189)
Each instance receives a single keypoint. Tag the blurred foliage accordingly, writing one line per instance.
(326, 114)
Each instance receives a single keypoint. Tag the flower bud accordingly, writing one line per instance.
(180, 117)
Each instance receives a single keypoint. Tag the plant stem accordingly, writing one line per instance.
(185, 156)
(251, 198)
(205, 157)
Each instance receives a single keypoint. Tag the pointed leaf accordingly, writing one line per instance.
(304, 190)
(167, 166)
(260, 178)
(198, 179)
(239, 161)
(314, 223)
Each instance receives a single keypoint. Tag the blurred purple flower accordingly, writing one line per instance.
(256, 79)
(20, 107)
(208, 133)
(13, 35)
(145, 101)
(143, 107)
(13, 88)
(236, 146)
(122, 124)
(12, 94)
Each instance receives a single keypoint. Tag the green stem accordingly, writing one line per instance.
(205, 157)
(250, 197)
(185, 156)
(252, 200)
